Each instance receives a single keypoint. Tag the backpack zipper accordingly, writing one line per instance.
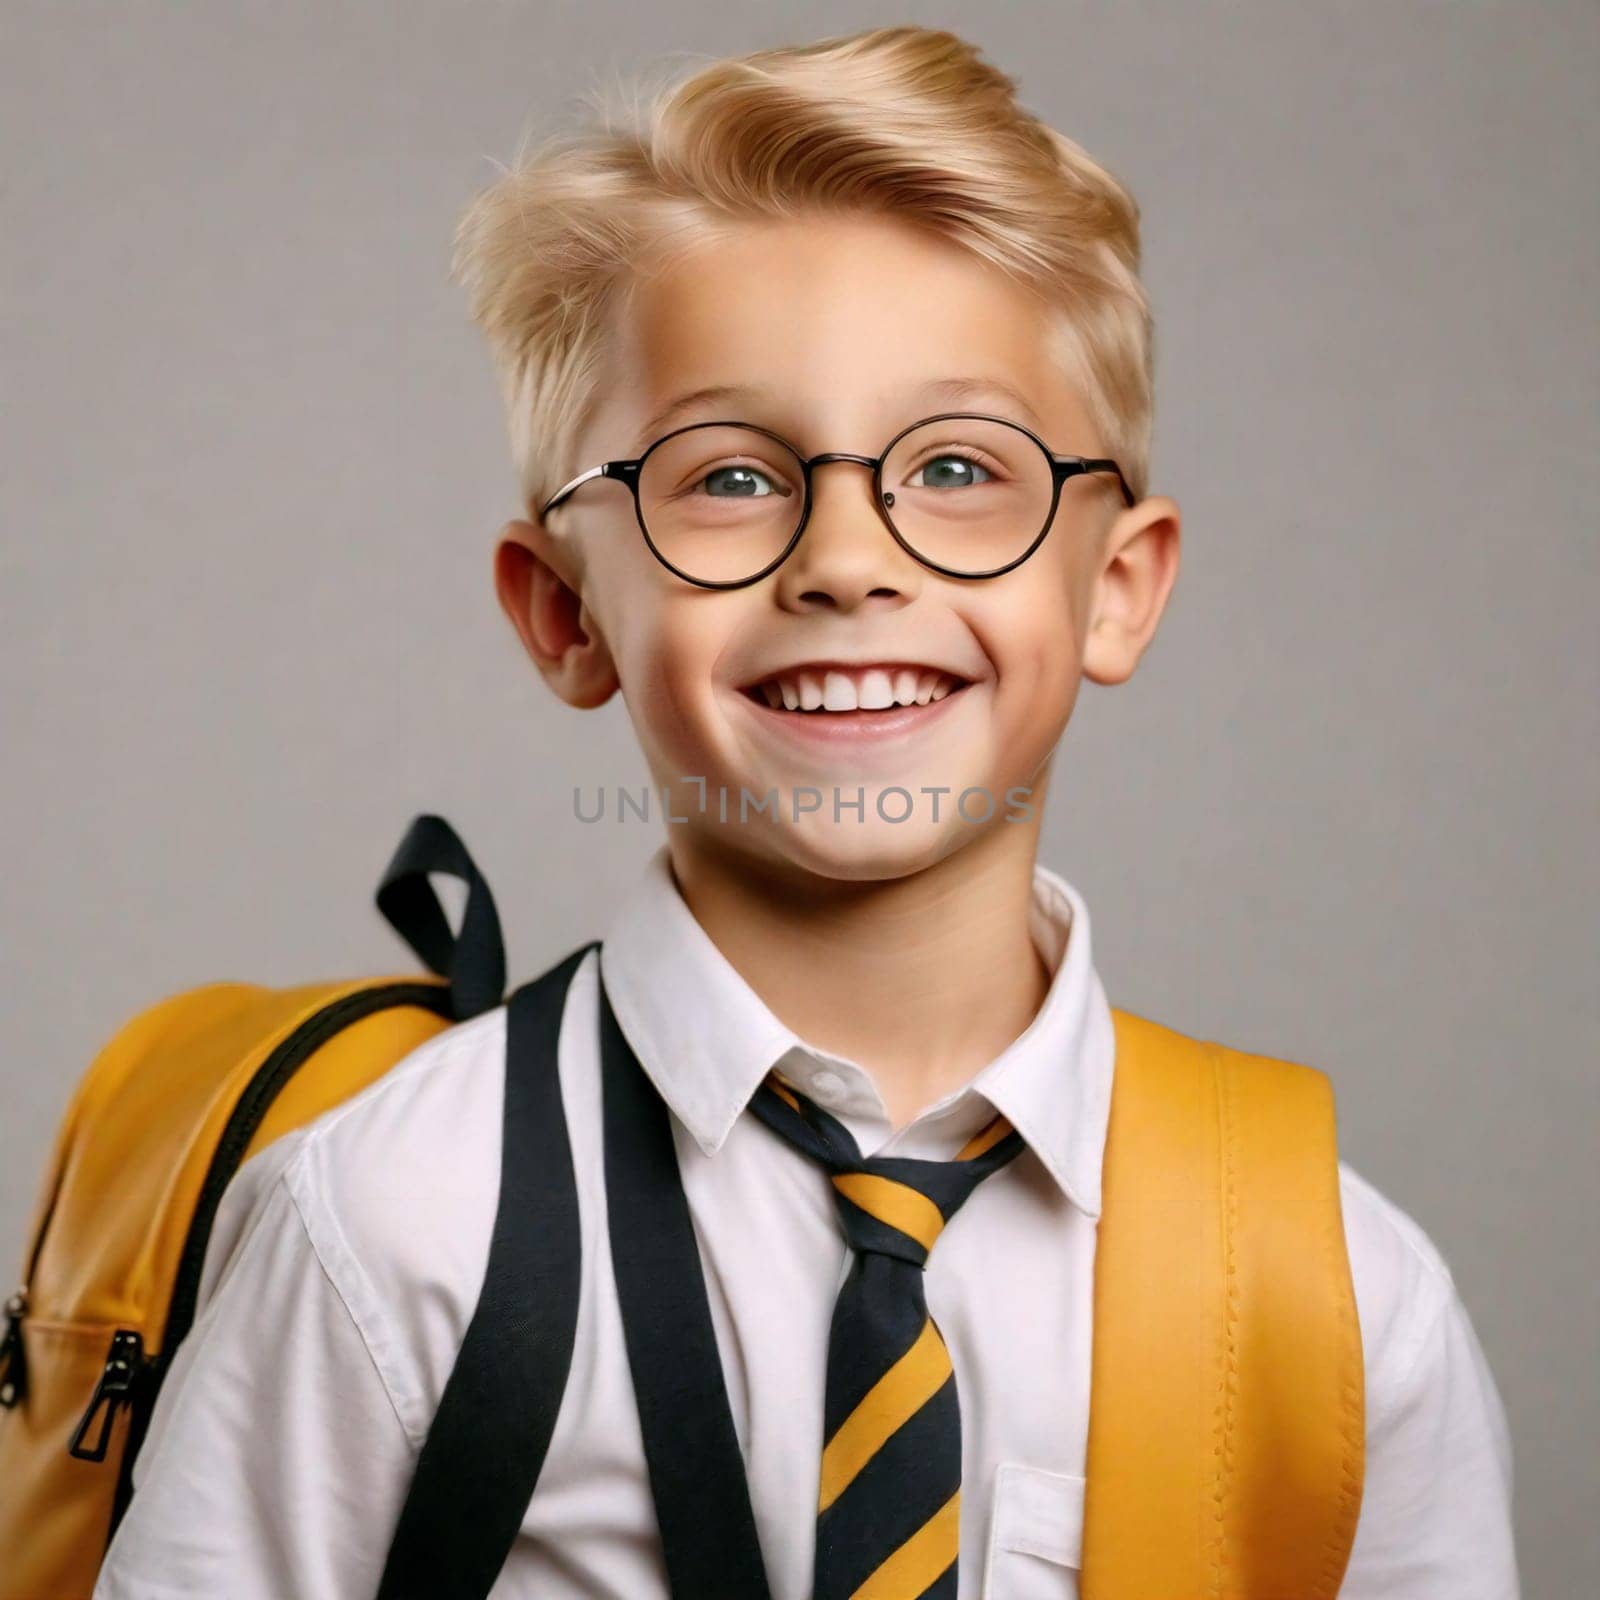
(13, 1356)
(13, 1366)
(125, 1367)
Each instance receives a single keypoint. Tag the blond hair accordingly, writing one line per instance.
(906, 120)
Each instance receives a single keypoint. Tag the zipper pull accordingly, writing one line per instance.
(122, 1369)
(13, 1361)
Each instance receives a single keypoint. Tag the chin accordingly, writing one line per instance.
(863, 852)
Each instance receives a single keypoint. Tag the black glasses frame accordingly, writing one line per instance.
(1062, 467)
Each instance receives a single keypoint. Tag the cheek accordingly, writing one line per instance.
(1033, 643)
(1044, 676)
(1037, 704)
(667, 678)
(658, 642)
(1032, 637)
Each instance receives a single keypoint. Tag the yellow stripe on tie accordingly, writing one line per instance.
(895, 1398)
(927, 1553)
(783, 1094)
(986, 1140)
(896, 1204)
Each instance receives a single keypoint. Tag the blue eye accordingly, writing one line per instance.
(946, 479)
(739, 483)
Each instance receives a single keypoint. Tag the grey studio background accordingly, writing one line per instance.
(255, 465)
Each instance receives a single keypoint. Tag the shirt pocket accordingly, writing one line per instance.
(1035, 1535)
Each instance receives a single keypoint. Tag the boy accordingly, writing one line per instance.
(869, 344)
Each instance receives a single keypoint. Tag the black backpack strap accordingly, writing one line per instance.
(697, 1474)
(475, 959)
(479, 1464)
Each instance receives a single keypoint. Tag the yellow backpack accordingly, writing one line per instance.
(1225, 1451)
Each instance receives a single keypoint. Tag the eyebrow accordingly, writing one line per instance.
(953, 391)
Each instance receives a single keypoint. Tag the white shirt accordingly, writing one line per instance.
(348, 1255)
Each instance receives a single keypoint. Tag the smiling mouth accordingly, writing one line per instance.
(855, 695)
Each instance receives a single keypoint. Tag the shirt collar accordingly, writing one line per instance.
(706, 1039)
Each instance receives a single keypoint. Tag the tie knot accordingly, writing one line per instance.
(888, 1205)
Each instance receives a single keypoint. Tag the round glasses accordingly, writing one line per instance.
(722, 504)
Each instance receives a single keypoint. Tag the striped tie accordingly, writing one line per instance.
(889, 1506)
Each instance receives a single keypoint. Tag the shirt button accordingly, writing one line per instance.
(826, 1086)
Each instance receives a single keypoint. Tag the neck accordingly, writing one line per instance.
(922, 979)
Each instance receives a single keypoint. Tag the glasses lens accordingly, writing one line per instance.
(967, 493)
(720, 503)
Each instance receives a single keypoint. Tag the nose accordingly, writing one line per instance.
(847, 553)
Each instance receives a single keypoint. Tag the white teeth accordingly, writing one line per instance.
(876, 691)
(872, 689)
(838, 693)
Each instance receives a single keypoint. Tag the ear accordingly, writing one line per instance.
(1138, 566)
(531, 577)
